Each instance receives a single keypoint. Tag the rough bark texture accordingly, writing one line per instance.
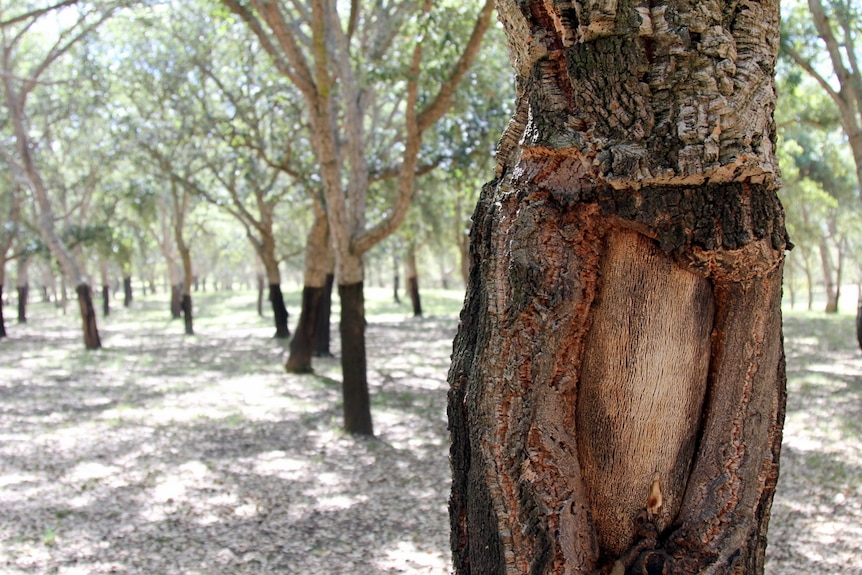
(617, 386)
(279, 311)
(357, 406)
(88, 315)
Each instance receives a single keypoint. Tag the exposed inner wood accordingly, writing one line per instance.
(644, 377)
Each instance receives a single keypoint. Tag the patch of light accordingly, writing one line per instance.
(406, 557)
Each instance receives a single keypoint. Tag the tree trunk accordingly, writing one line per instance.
(828, 277)
(617, 387)
(23, 285)
(106, 288)
(23, 293)
(318, 261)
(279, 310)
(260, 286)
(106, 300)
(322, 335)
(357, 406)
(2, 320)
(186, 307)
(413, 281)
(302, 344)
(396, 279)
(127, 291)
(88, 315)
(176, 301)
(859, 316)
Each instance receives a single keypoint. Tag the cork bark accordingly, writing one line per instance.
(617, 386)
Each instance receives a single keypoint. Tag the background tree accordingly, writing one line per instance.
(26, 70)
(348, 69)
(617, 387)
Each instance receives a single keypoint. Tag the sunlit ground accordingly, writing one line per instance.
(165, 454)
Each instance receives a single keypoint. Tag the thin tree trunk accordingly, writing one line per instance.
(396, 279)
(106, 288)
(23, 293)
(106, 303)
(279, 310)
(859, 315)
(23, 284)
(357, 406)
(2, 320)
(176, 301)
(260, 288)
(324, 319)
(186, 307)
(127, 291)
(828, 277)
(88, 316)
(413, 281)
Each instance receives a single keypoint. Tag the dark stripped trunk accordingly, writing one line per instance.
(303, 342)
(23, 294)
(127, 291)
(2, 320)
(357, 406)
(186, 308)
(106, 300)
(88, 316)
(859, 317)
(176, 301)
(322, 334)
(413, 288)
(279, 311)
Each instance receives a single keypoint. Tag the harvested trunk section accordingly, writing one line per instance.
(302, 344)
(357, 405)
(617, 385)
(176, 301)
(279, 311)
(644, 376)
(23, 294)
(106, 300)
(322, 334)
(186, 308)
(127, 291)
(2, 320)
(88, 315)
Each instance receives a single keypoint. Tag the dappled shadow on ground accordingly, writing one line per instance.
(168, 454)
(179, 455)
(816, 522)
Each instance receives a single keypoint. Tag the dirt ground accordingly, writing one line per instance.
(167, 454)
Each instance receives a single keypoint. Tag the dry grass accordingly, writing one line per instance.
(168, 454)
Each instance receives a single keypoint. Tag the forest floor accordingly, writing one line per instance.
(171, 454)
